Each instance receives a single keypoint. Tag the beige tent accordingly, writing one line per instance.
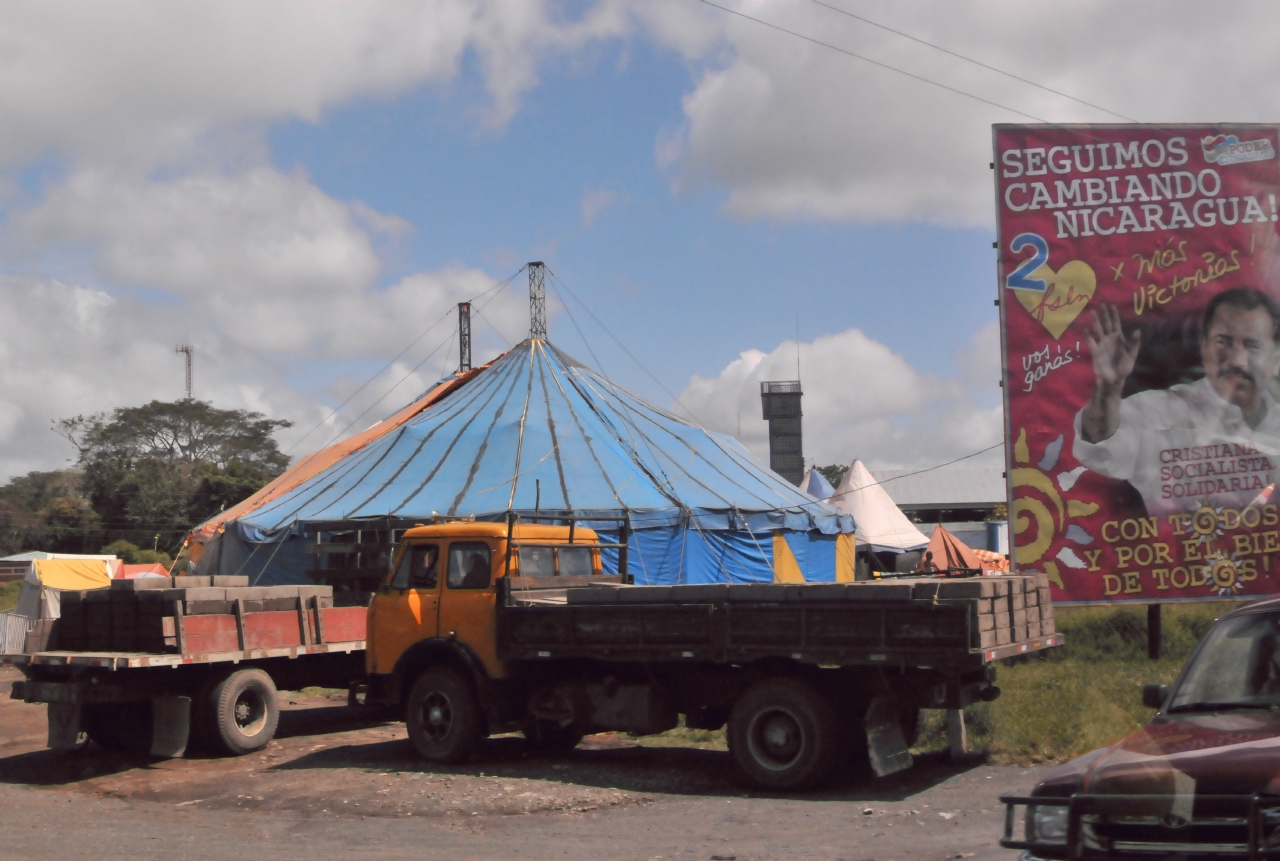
(877, 520)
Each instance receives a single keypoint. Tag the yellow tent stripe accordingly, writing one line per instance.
(785, 567)
(845, 555)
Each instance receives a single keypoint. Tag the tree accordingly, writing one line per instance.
(48, 511)
(164, 467)
(833, 473)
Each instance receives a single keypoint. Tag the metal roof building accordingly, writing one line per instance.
(945, 489)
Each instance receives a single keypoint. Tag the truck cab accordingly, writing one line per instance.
(437, 608)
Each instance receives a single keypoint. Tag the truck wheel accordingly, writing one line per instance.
(443, 716)
(783, 734)
(544, 736)
(244, 713)
(121, 727)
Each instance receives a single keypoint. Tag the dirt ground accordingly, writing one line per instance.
(337, 782)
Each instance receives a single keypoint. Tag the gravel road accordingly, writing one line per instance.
(337, 783)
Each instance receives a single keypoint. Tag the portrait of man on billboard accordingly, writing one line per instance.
(1209, 442)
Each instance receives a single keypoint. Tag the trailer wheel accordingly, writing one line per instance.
(544, 736)
(783, 734)
(244, 712)
(121, 727)
(443, 716)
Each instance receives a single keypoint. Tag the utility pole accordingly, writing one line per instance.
(188, 349)
(537, 301)
(464, 337)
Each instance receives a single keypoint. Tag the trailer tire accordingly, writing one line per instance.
(783, 734)
(443, 716)
(244, 712)
(548, 737)
(120, 727)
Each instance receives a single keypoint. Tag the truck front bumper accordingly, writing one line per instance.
(1150, 826)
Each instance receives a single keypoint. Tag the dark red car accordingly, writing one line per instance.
(1200, 781)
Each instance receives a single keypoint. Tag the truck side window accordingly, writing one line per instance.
(468, 565)
(418, 568)
(575, 561)
(537, 562)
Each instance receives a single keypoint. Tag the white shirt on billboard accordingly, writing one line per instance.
(1184, 446)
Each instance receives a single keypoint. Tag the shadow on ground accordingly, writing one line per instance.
(331, 737)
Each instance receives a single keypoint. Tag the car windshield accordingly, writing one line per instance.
(1238, 666)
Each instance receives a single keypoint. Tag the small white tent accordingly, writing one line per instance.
(878, 521)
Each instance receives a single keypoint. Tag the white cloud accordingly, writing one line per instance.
(134, 82)
(593, 203)
(861, 400)
(787, 129)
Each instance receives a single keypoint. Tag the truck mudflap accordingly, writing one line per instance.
(67, 701)
(1144, 826)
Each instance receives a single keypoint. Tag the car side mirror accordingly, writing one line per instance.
(1153, 696)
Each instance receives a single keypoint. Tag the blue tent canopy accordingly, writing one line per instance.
(540, 432)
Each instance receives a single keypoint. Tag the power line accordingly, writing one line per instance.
(384, 368)
(866, 59)
(917, 472)
(556, 278)
(971, 60)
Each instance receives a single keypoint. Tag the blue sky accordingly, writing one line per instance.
(301, 195)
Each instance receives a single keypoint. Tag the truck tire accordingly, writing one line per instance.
(911, 719)
(443, 716)
(544, 736)
(243, 712)
(120, 727)
(783, 734)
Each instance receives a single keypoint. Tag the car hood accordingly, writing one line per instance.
(1227, 753)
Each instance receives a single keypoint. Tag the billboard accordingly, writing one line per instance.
(1139, 279)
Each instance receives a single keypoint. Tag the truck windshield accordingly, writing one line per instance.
(1236, 667)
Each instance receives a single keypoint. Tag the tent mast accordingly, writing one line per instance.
(464, 337)
(537, 301)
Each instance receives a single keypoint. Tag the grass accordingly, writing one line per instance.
(1083, 695)
(1065, 702)
(9, 595)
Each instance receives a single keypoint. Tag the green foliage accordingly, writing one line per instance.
(9, 595)
(833, 473)
(48, 511)
(164, 467)
(132, 554)
(1085, 694)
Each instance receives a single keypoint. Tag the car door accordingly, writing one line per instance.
(406, 609)
(468, 600)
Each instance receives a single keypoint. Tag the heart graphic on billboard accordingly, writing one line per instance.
(1067, 292)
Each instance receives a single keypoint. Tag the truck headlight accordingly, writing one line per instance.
(1047, 823)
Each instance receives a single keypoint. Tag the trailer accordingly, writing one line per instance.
(213, 677)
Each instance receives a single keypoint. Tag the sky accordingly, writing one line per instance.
(723, 194)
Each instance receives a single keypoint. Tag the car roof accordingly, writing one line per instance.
(1261, 606)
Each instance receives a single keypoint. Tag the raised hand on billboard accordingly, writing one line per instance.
(1114, 355)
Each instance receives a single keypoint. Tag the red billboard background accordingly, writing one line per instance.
(1135, 229)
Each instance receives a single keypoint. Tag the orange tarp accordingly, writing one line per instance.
(948, 552)
(313, 463)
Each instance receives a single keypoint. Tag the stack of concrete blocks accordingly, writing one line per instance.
(136, 615)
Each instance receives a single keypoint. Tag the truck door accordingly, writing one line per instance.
(406, 608)
(467, 603)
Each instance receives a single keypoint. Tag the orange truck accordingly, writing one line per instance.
(491, 627)
(484, 628)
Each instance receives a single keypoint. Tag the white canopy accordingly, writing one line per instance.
(877, 520)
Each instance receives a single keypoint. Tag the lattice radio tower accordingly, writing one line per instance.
(188, 350)
(537, 301)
